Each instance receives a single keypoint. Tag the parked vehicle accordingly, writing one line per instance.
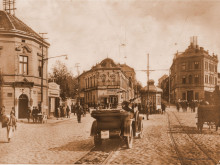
(209, 114)
(120, 123)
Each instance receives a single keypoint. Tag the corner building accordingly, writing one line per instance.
(107, 84)
(21, 66)
(193, 73)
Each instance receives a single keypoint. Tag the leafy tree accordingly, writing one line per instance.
(137, 88)
(64, 77)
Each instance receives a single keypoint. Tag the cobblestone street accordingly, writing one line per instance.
(65, 141)
(58, 141)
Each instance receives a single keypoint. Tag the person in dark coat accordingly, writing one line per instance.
(79, 110)
(67, 112)
(28, 114)
(163, 106)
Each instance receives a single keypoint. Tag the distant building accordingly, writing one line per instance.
(54, 98)
(160, 80)
(194, 73)
(20, 66)
(107, 84)
(151, 96)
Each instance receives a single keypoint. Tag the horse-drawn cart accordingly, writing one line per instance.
(112, 123)
(209, 114)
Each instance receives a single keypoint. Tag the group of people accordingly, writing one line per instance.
(63, 112)
(36, 114)
(184, 104)
(5, 120)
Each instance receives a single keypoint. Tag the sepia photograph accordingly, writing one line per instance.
(110, 82)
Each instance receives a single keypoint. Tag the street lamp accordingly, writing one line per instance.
(42, 73)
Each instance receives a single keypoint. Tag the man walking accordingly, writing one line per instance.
(78, 112)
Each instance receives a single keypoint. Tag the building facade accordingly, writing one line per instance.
(54, 97)
(151, 95)
(193, 73)
(21, 54)
(106, 84)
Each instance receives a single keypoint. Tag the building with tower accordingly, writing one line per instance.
(194, 73)
(23, 64)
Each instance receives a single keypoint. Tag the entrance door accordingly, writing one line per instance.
(22, 106)
(189, 96)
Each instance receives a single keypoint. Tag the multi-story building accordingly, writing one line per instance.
(160, 80)
(106, 84)
(21, 51)
(193, 73)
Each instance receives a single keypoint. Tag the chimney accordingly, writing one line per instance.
(193, 41)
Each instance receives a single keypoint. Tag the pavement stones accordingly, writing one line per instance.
(58, 141)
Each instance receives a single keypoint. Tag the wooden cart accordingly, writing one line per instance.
(209, 114)
(112, 123)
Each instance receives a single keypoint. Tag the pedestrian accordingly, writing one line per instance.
(61, 112)
(28, 114)
(13, 118)
(78, 112)
(163, 106)
(58, 112)
(72, 107)
(178, 106)
(67, 112)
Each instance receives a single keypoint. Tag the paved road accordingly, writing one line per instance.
(65, 141)
(157, 148)
(62, 141)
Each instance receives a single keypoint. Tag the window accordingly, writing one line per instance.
(210, 79)
(206, 65)
(183, 96)
(196, 79)
(22, 40)
(215, 68)
(196, 96)
(196, 65)
(189, 65)
(183, 80)
(184, 66)
(40, 68)
(23, 65)
(190, 79)
(206, 79)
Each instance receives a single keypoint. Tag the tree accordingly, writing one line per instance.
(137, 88)
(64, 77)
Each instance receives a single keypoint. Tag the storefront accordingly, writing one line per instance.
(54, 98)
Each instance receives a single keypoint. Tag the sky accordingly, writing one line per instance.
(92, 30)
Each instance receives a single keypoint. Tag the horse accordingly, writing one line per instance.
(8, 121)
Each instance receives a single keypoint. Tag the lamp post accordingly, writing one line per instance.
(42, 73)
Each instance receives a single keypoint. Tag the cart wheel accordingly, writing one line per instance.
(129, 139)
(97, 139)
(140, 135)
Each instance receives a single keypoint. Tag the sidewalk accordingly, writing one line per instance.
(50, 119)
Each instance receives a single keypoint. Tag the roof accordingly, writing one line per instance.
(10, 23)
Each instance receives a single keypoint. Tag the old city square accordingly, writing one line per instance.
(109, 82)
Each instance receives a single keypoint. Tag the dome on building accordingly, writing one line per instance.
(11, 24)
(152, 87)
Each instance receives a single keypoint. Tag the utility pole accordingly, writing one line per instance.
(148, 73)
(77, 67)
(42, 70)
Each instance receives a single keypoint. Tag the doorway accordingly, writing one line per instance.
(189, 96)
(22, 106)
